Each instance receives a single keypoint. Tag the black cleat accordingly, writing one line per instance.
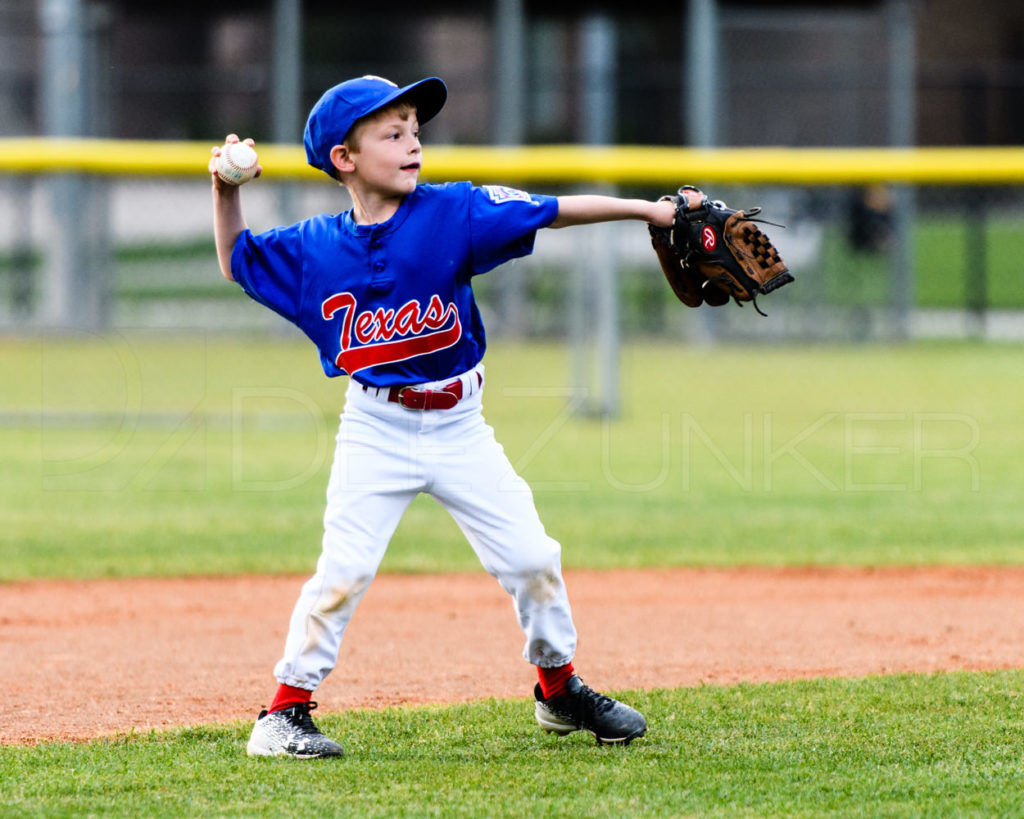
(581, 708)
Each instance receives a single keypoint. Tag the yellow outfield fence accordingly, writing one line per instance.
(555, 163)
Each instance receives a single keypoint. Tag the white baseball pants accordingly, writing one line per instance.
(385, 456)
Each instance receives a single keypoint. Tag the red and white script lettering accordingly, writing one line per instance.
(381, 336)
(708, 238)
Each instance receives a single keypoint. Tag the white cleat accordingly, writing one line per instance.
(290, 732)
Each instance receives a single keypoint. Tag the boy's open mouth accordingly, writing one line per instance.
(412, 166)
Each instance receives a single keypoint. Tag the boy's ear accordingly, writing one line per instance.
(341, 158)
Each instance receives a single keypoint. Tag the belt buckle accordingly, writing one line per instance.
(407, 403)
(415, 399)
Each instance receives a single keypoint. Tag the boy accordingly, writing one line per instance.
(384, 291)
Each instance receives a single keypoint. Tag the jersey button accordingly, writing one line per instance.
(376, 244)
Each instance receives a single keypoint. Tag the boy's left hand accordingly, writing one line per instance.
(664, 213)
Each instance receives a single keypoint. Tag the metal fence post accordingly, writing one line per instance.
(702, 112)
(597, 67)
(75, 292)
(286, 89)
(899, 17)
(509, 125)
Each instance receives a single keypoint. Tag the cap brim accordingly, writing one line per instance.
(429, 97)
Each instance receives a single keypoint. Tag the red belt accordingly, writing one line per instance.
(442, 398)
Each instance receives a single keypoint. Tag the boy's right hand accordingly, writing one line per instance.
(219, 184)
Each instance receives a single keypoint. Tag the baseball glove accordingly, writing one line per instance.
(713, 253)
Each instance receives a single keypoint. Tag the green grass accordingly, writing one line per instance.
(141, 454)
(883, 746)
(944, 265)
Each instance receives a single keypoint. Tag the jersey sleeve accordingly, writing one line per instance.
(268, 266)
(503, 223)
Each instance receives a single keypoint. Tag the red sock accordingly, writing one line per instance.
(287, 696)
(553, 680)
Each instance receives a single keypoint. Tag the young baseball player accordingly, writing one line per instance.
(384, 291)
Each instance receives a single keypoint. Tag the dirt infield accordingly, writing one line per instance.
(86, 659)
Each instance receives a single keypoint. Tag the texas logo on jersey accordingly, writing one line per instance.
(383, 336)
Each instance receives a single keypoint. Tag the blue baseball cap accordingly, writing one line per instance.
(337, 110)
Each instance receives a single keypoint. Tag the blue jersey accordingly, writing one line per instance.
(392, 304)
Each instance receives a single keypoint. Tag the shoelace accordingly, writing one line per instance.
(302, 719)
(594, 703)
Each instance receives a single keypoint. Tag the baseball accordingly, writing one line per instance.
(237, 163)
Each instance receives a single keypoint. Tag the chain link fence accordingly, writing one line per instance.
(143, 256)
